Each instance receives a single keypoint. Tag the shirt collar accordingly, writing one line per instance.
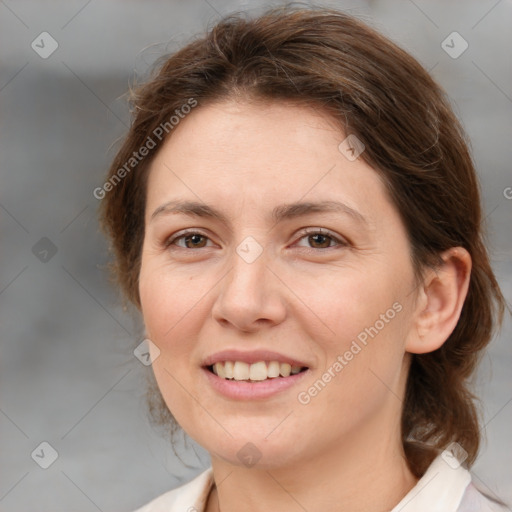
(440, 489)
(198, 490)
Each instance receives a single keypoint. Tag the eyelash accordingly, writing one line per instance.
(306, 233)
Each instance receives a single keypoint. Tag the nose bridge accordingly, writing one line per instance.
(247, 279)
(246, 294)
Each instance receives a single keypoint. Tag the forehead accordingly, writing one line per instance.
(256, 154)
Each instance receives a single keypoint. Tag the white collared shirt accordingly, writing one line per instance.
(445, 487)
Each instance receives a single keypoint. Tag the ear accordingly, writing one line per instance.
(439, 302)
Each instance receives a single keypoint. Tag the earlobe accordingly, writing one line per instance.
(440, 301)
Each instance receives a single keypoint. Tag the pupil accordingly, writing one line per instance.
(195, 240)
(317, 239)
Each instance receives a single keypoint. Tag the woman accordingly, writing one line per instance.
(296, 215)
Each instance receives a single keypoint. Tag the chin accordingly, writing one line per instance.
(249, 455)
(252, 449)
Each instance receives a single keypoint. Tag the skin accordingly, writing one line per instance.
(304, 296)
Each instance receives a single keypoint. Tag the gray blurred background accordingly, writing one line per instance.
(68, 374)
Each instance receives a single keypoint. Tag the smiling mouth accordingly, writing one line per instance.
(255, 372)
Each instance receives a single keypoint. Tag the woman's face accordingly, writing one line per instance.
(268, 246)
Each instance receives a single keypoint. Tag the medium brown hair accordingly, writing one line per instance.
(378, 92)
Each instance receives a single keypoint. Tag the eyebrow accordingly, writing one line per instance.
(279, 213)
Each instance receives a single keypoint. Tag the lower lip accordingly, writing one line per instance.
(241, 390)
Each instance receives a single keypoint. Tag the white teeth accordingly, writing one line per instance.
(228, 369)
(258, 371)
(239, 370)
(218, 369)
(273, 369)
(285, 369)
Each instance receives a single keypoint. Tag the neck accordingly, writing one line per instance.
(353, 477)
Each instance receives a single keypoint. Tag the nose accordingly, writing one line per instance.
(251, 296)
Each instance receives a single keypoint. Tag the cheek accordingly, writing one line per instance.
(169, 300)
(368, 318)
(358, 306)
(169, 316)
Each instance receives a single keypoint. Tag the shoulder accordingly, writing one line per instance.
(190, 497)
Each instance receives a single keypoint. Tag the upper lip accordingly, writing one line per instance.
(253, 356)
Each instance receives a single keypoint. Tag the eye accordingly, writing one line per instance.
(190, 239)
(317, 238)
(320, 239)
